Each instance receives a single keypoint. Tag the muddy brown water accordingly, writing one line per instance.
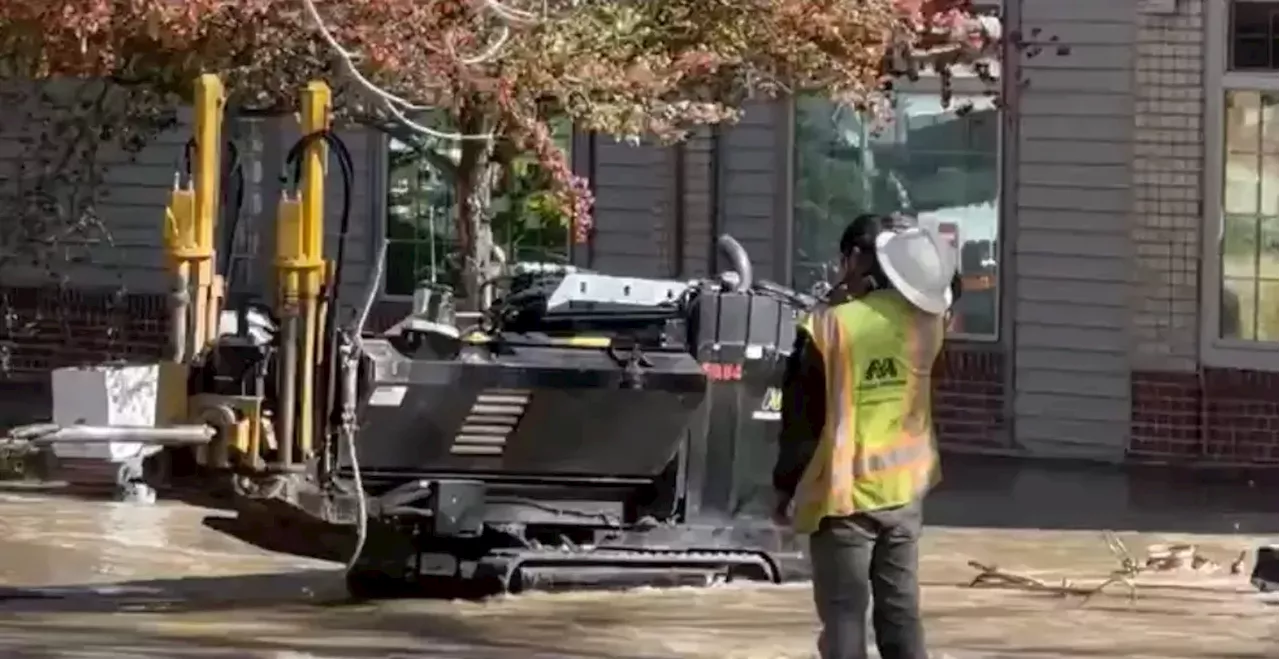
(95, 579)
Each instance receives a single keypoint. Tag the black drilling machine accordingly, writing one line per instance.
(590, 431)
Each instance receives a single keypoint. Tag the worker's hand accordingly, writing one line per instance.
(781, 509)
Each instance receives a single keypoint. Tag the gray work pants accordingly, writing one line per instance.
(863, 557)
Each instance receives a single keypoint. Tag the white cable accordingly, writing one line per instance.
(356, 343)
(362, 503)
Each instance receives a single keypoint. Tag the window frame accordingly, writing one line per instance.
(1218, 80)
(383, 168)
(381, 146)
(962, 87)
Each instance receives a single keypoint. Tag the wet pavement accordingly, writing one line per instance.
(96, 579)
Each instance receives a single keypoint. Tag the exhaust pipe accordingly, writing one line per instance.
(738, 260)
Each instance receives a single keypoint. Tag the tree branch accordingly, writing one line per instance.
(399, 107)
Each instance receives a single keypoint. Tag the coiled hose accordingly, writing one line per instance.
(336, 349)
(232, 191)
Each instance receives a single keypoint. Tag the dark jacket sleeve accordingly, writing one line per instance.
(803, 413)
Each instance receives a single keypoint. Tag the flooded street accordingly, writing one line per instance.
(96, 579)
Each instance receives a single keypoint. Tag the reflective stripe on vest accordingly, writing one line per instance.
(877, 448)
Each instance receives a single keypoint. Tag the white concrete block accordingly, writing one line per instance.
(105, 395)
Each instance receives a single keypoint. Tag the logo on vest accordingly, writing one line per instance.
(770, 406)
(881, 372)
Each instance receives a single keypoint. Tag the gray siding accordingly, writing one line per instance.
(753, 188)
(1073, 254)
(635, 209)
(658, 210)
(129, 203)
(697, 223)
(134, 193)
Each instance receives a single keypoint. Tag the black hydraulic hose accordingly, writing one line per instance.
(233, 190)
(346, 167)
(737, 255)
(327, 383)
(232, 178)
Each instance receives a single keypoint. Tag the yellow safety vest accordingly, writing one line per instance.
(877, 448)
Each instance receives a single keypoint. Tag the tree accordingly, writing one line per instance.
(476, 82)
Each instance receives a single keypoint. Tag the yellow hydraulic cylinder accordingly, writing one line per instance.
(300, 272)
(210, 101)
(180, 248)
(317, 105)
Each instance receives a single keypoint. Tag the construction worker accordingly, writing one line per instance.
(857, 449)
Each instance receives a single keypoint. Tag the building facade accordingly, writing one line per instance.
(1112, 198)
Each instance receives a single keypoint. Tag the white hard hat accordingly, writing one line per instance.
(919, 265)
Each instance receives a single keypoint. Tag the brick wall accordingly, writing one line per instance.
(1182, 410)
(46, 328)
(1217, 415)
(969, 403)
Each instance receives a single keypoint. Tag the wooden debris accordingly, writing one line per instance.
(1126, 574)
(991, 576)
(1160, 558)
(1237, 566)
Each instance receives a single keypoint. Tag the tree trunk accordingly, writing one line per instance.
(474, 195)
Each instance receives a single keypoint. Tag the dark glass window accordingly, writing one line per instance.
(422, 238)
(1252, 31)
(938, 162)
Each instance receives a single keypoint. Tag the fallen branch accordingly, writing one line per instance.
(1126, 574)
(991, 576)
(1160, 558)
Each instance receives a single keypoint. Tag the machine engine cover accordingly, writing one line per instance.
(539, 410)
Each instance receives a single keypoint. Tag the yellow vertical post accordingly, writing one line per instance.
(179, 244)
(210, 100)
(317, 104)
(300, 259)
(317, 107)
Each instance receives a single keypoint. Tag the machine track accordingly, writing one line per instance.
(524, 570)
(627, 567)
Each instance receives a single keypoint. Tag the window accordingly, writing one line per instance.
(1249, 230)
(422, 238)
(1253, 36)
(421, 235)
(1242, 243)
(939, 163)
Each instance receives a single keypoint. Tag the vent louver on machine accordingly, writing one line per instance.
(493, 416)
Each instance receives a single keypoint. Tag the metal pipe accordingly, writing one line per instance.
(195, 314)
(183, 435)
(324, 381)
(288, 386)
(307, 416)
(179, 303)
(739, 261)
(223, 421)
